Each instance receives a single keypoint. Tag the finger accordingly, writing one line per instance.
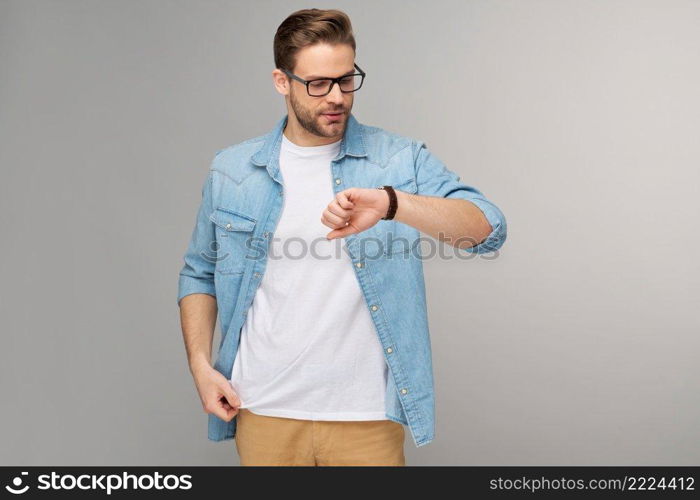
(228, 410)
(223, 413)
(343, 200)
(332, 220)
(335, 208)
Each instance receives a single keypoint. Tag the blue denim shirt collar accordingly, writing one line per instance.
(353, 142)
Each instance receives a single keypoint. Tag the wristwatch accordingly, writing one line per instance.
(393, 202)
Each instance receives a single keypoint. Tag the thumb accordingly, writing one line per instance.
(230, 395)
(343, 231)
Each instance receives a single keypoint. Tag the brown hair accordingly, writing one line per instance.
(308, 27)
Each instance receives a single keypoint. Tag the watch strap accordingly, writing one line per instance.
(393, 202)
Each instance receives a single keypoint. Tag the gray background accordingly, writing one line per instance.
(577, 345)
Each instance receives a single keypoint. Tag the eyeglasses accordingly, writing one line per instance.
(318, 87)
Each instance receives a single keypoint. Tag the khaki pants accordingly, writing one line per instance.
(265, 440)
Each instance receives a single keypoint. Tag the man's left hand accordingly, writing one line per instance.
(355, 210)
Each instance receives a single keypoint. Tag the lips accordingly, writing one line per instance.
(333, 116)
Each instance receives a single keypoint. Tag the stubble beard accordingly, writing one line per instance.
(311, 121)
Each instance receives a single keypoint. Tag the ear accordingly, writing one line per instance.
(280, 81)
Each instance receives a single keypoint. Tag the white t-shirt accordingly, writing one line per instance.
(308, 348)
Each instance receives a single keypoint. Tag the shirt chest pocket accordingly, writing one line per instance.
(234, 239)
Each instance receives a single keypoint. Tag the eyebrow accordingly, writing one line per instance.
(315, 77)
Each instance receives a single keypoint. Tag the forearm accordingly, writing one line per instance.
(446, 219)
(198, 320)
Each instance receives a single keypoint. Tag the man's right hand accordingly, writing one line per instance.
(215, 391)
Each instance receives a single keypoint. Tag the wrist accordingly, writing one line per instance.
(404, 200)
(392, 202)
(198, 364)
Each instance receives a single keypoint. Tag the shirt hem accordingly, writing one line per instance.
(306, 415)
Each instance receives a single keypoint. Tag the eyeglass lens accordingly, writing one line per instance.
(349, 83)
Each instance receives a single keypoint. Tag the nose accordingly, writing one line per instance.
(335, 95)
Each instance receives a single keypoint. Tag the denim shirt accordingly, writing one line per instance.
(242, 199)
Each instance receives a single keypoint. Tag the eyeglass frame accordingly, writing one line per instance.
(333, 81)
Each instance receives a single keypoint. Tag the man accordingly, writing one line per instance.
(325, 351)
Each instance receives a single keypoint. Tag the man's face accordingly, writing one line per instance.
(317, 61)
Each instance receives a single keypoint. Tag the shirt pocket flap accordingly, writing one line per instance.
(230, 220)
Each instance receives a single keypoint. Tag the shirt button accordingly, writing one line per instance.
(374, 308)
(359, 264)
(404, 391)
(228, 226)
(389, 350)
(337, 181)
(266, 234)
(257, 275)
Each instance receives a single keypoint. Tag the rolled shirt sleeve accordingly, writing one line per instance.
(197, 273)
(433, 178)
